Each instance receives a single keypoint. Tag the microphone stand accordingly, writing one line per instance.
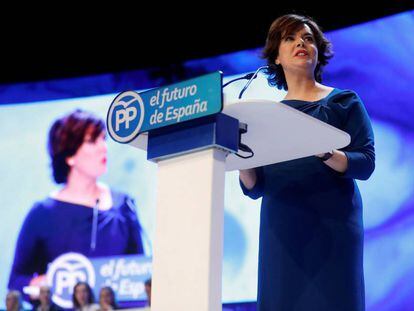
(94, 225)
(246, 77)
(251, 79)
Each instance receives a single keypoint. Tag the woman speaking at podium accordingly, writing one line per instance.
(85, 216)
(311, 229)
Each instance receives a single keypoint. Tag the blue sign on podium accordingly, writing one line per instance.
(133, 113)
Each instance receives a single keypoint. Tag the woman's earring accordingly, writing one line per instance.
(71, 162)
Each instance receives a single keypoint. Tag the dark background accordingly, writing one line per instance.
(70, 42)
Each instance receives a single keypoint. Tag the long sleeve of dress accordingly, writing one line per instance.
(28, 256)
(360, 152)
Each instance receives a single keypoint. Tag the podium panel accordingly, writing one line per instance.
(277, 133)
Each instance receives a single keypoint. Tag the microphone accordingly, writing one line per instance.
(245, 77)
(242, 126)
(94, 225)
(251, 79)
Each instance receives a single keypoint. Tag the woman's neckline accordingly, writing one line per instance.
(69, 203)
(334, 90)
(80, 204)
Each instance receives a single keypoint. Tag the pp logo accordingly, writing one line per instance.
(63, 274)
(125, 116)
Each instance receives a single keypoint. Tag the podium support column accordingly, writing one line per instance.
(188, 242)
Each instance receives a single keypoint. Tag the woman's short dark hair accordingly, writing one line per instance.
(91, 297)
(66, 135)
(280, 28)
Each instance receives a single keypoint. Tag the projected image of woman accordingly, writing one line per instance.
(311, 229)
(84, 216)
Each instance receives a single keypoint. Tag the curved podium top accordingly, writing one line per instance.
(277, 133)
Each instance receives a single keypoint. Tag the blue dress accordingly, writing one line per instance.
(54, 227)
(311, 229)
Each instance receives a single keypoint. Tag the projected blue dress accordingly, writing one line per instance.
(55, 227)
(311, 229)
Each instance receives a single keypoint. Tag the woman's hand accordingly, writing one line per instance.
(338, 161)
(248, 177)
(37, 281)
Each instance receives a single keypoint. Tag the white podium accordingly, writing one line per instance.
(278, 132)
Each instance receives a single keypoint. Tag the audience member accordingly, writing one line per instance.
(14, 301)
(83, 298)
(107, 299)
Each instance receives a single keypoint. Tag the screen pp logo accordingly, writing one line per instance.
(125, 116)
(63, 274)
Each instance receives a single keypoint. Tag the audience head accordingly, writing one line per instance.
(82, 295)
(13, 301)
(148, 284)
(107, 299)
(45, 295)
